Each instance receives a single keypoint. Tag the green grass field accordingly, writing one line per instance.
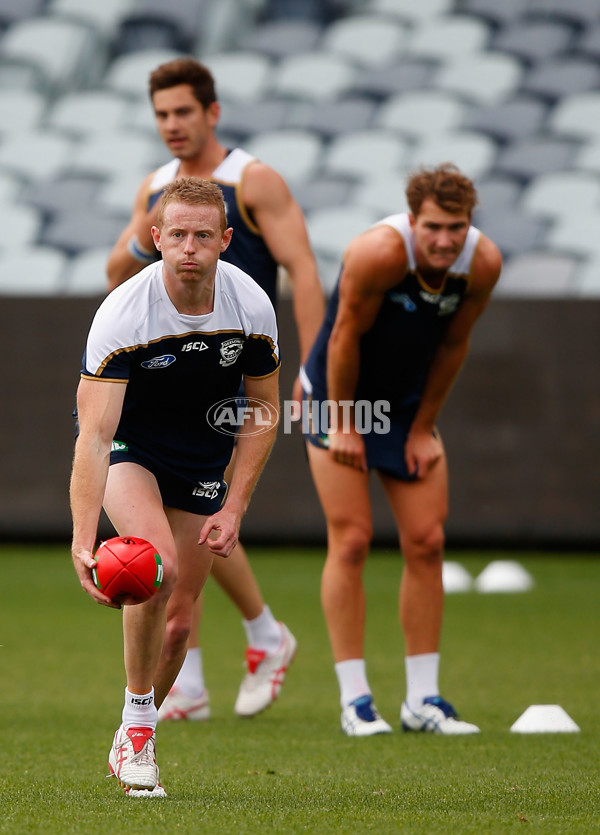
(291, 769)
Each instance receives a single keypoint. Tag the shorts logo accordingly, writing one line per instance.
(159, 362)
(230, 351)
(207, 489)
(119, 446)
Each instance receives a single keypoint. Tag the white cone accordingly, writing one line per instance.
(544, 719)
(504, 576)
(456, 578)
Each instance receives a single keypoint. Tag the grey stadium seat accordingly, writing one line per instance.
(279, 38)
(38, 271)
(86, 113)
(497, 193)
(512, 231)
(153, 24)
(449, 37)
(21, 110)
(36, 154)
(535, 156)
(242, 119)
(587, 278)
(535, 40)
(577, 116)
(86, 273)
(515, 119)
(129, 74)
(11, 11)
(313, 76)
(481, 78)
(369, 40)
(19, 226)
(499, 13)
(81, 229)
(581, 12)
(240, 76)
(538, 274)
(103, 17)
(324, 193)
(420, 114)
(63, 194)
(294, 153)
(474, 153)
(365, 154)
(65, 54)
(561, 193)
(562, 77)
(410, 11)
(576, 234)
(328, 119)
(405, 75)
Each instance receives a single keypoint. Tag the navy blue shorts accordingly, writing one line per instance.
(204, 496)
(384, 449)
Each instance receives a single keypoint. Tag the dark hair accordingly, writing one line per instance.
(193, 191)
(185, 71)
(450, 189)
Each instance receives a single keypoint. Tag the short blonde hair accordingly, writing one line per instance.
(193, 191)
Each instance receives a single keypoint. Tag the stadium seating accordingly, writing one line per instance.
(343, 97)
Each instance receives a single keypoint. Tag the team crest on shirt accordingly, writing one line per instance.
(230, 351)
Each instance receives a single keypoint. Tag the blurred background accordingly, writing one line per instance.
(344, 98)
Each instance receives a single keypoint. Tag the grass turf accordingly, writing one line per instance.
(291, 769)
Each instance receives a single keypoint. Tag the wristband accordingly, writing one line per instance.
(139, 252)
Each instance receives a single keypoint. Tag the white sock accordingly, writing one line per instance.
(352, 679)
(190, 680)
(140, 710)
(263, 632)
(421, 678)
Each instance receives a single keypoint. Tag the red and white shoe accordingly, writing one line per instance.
(179, 706)
(157, 791)
(266, 673)
(132, 758)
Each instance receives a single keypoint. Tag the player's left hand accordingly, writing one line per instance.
(225, 527)
(422, 451)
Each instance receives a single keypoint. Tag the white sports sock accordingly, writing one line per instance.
(352, 679)
(421, 678)
(263, 632)
(190, 680)
(140, 710)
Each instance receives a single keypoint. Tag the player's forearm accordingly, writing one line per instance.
(309, 308)
(122, 265)
(343, 365)
(443, 372)
(88, 480)
(251, 456)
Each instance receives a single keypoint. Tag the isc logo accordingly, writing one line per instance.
(194, 346)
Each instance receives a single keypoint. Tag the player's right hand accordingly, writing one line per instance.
(84, 561)
(348, 447)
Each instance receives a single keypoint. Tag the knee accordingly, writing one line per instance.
(351, 545)
(177, 631)
(425, 545)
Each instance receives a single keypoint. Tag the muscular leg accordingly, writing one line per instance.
(144, 624)
(420, 509)
(344, 496)
(195, 562)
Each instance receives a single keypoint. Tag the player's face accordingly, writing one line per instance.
(439, 235)
(184, 125)
(191, 240)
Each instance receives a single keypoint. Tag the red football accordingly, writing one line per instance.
(128, 569)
